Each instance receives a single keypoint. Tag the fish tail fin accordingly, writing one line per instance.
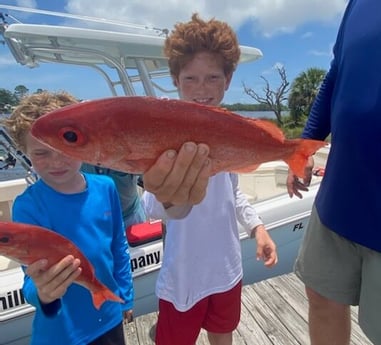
(102, 295)
(304, 149)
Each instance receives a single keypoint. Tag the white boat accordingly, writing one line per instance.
(131, 61)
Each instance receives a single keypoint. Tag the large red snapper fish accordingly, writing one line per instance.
(129, 133)
(27, 243)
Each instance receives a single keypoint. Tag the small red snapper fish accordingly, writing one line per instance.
(129, 133)
(27, 243)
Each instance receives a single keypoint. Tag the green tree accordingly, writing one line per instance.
(20, 91)
(304, 89)
(7, 100)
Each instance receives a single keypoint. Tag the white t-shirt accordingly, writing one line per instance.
(202, 254)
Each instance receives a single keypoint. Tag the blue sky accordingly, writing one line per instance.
(297, 34)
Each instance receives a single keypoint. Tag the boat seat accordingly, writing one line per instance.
(146, 232)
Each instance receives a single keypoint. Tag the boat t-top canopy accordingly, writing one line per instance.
(136, 57)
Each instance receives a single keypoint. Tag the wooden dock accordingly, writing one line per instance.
(274, 312)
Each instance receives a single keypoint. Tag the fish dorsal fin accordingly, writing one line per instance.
(269, 127)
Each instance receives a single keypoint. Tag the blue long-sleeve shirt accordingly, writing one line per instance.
(349, 107)
(92, 220)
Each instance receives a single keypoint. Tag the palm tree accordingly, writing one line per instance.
(304, 89)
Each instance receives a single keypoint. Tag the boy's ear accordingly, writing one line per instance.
(175, 81)
(228, 80)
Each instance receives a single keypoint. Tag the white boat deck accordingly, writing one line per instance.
(273, 312)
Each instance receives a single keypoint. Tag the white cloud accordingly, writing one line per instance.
(278, 65)
(319, 53)
(26, 3)
(285, 15)
(328, 52)
(272, 70)
(267, 16)
(307, 34)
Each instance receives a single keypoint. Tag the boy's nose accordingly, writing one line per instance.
(58, 157)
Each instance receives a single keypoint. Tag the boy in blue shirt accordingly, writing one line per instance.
(86, 209)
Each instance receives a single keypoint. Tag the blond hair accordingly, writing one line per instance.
(31, 108)
(197, 35)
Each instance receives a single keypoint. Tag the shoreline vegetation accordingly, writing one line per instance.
(290, 130)
(249, 107)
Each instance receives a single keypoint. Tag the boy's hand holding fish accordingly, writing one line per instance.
(52, 282)
(180, 178)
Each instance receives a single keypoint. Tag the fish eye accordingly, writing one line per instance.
(72, 136)
(4, 239)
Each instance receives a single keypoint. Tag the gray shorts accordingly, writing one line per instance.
(342, 271)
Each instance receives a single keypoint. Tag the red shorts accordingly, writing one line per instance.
(218, 313)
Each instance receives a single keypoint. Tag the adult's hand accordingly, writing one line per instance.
(295, 185)
(180, 178)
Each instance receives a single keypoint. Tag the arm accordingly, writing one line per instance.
(121, 257)
(248, 217)
(266, 248)
(318, 127)
(44, 285)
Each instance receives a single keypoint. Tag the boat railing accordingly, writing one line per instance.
(12, 156)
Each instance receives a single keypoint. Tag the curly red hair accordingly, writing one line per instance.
(197, 35)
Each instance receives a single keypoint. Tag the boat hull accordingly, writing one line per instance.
(285, 218)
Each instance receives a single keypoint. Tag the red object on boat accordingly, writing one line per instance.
(141, 233)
